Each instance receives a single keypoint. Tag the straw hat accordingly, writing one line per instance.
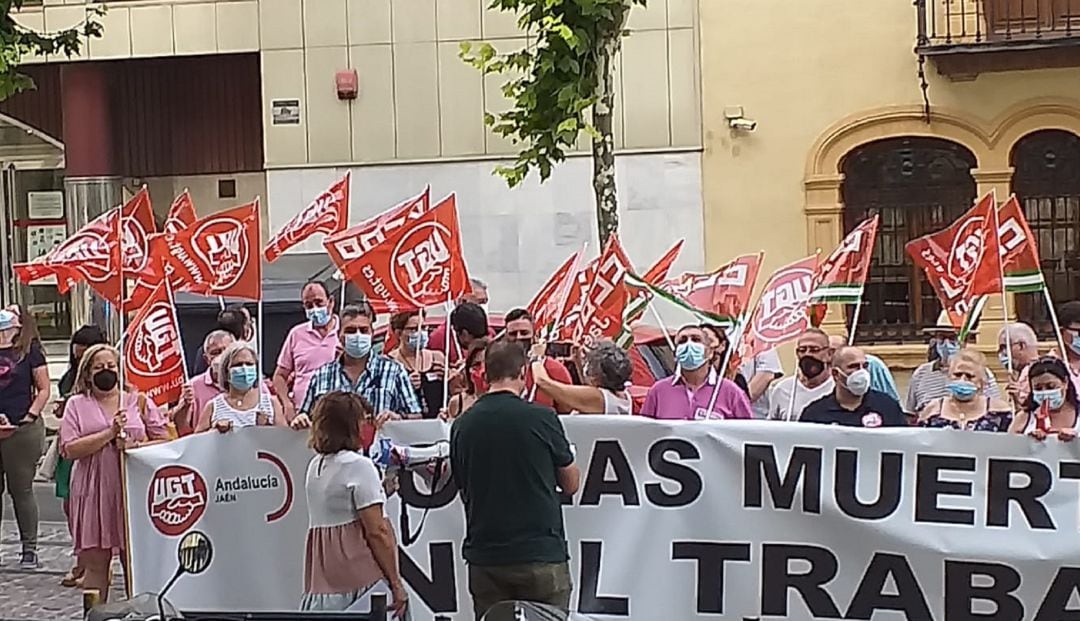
(945, 325)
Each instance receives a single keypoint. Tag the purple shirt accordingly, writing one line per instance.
(670, 399)
(304, 351)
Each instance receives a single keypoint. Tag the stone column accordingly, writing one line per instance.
(91, 182)
(824, 230)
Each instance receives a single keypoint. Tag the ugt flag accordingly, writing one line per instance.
(347, 246)
(417, 265)
(962, 262)
(328, 213)
(219, 254)
(181, 215)
(152, 360)
(842, 276)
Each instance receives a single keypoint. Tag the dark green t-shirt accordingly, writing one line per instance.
(504, 452)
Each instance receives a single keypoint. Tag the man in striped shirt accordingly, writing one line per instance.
(931, 380)
(382, 381)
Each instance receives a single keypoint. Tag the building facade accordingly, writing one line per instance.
(906, 111)
(237, 98)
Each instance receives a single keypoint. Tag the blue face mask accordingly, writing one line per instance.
(690, 355)
(947, 349)
(418, 340)
(1003, 358)
(357, 345)
(319, 316)
(243, 377)
(963, 390)
(1075, 344)
(1055, 398)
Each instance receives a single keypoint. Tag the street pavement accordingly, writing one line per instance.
(37, 595)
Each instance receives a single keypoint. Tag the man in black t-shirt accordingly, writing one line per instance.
(852, 403)
(507, 456)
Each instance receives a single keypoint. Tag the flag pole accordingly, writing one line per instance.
(1004, 295)
(1054, 320)
(450, 336)
(723, 368)
(854, 321)
(123, 317)
(659, 322)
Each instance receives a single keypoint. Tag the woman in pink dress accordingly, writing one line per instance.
(93, 431)
(351, 549)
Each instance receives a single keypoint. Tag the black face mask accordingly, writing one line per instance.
(810, 367)
(105, 380)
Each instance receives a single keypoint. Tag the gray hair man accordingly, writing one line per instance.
(204, 386)
(1019, 340)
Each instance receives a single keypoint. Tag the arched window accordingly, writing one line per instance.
(1046, 179)
(918, 185)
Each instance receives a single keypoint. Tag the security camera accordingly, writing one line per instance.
(742, 125)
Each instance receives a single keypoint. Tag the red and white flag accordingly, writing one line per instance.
(638, 296)
(153, 363)
(115, 242)
(417, 264)
(347, 246)
(217, 255)
(1019, 252)
(841, 277)
(780, 315)
(962, 262)
(181, 215)
(544, 308)
(328, 213)
(603, 299)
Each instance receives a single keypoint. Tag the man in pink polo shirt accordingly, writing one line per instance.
(204, 386)
(689, 394)
(308, 346)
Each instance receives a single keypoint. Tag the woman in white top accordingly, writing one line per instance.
(606, 371)
(244, 401)
(1052, 405)
(351, 551)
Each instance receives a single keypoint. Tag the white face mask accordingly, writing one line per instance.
(858, 383)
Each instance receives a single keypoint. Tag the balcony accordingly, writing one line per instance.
(968, 37)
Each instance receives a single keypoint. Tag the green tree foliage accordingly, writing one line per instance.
(559, 86)
(18, 42)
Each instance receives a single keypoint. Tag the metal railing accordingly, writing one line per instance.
(943, 23)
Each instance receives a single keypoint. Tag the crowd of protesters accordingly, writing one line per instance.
(442, 374)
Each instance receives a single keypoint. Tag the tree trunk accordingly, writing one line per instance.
(603, 147)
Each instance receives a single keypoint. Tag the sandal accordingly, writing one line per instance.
(74, 578)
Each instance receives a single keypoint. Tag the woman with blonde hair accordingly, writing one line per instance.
(244, 400)
(98, 425)
(351, 549)
(967, 406)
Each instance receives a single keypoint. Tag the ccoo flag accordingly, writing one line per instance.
(841, 277)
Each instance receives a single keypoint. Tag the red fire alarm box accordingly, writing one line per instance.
(348, 84)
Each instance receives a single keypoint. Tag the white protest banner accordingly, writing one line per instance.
(677, 520)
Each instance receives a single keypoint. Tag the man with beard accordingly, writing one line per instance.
(477, 296)
(520, 329)
(853, 403)
(812, 381)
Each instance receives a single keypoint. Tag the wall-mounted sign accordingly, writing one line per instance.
(45, 205)
(42, 239)
(285, 111)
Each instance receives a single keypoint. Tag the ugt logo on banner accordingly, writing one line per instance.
(177, 499)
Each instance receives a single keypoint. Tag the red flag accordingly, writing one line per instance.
(1019, 252)
(780, 315)
(962, 262)
(181, 215)
(544, 308)
(842, 276)
(345, 247)
(152, 360)
(603, 300)
(725, 292)
(638, 297)
(217, 255)
(418, 264)
(328, 213)
(95, 253)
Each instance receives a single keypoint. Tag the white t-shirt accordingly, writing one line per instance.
(339, 486)
(780, 398)
(768, 362)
